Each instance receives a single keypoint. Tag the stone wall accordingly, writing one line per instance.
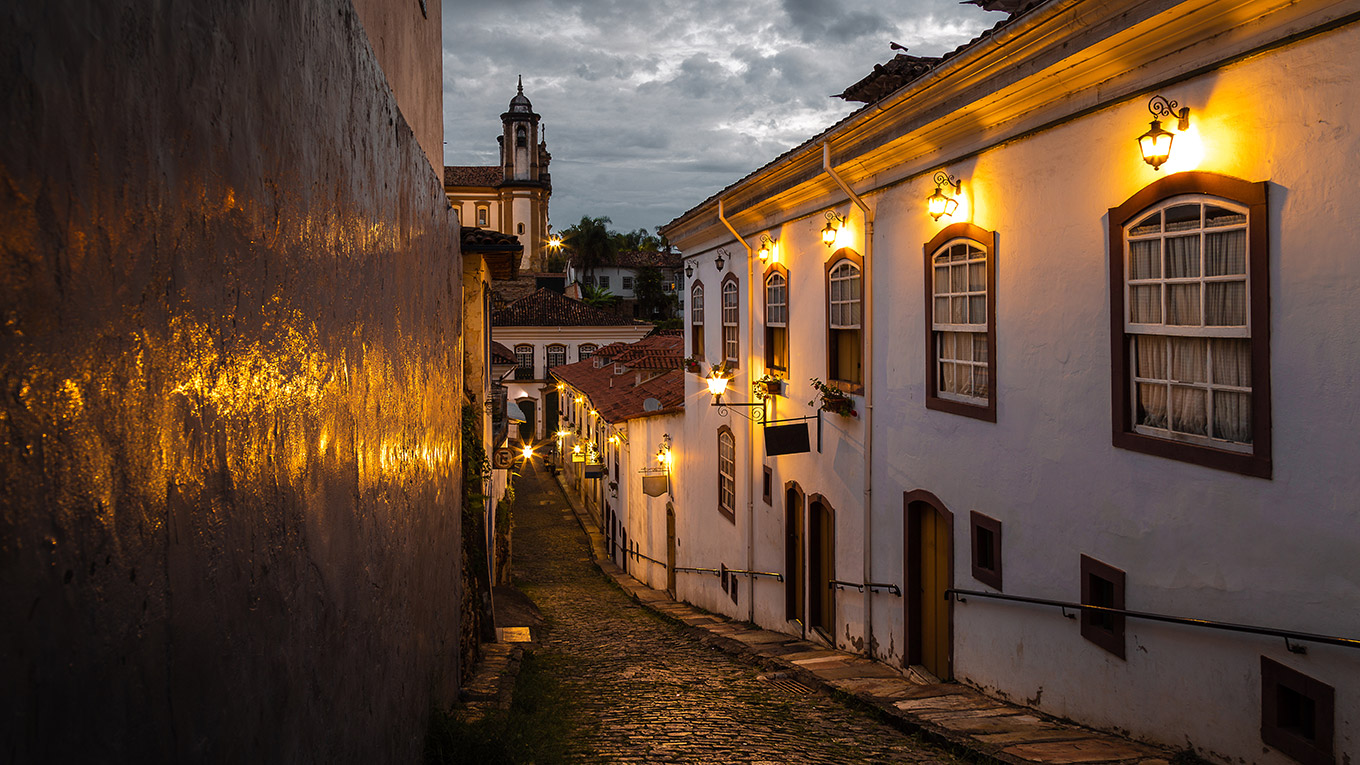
(229, 468)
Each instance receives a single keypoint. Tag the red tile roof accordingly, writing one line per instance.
(888, 77)
(472, 175)
(500, 354)
(545, 308)
(619, 396)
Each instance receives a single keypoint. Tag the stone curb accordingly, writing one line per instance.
(954, 716)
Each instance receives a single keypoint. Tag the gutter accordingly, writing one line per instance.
(867, 373)
(751, 425)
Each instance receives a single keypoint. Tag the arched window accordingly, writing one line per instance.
(777, 318)
(1189, 285)
(845, 319)
(730, 319)
(519, 229)
(524, 362)
(961, 353)
(696, 319)
(727, 473)
(483, 215)
(585, 351)
(521, 136)
(557, 355)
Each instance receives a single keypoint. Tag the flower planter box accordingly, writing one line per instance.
(842, 406)
(774, 387)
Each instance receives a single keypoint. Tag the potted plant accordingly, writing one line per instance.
(767, 385)
(691, 364)
(833, 400)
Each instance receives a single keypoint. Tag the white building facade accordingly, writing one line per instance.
(1094, 382)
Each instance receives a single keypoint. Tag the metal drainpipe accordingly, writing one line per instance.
(751, 445)
(868, 369)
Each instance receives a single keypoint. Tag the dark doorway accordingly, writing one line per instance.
(526, 428)
(822, 567)
(795, 573)
(929, 547)
(551, 414)
(670, 549)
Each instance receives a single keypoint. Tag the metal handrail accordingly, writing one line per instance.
(754, 574)
(713, 571)
(841, 584)
(1228, 626)
(894, 589)
(637, 554)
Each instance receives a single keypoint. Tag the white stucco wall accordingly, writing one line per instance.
(1193, 541)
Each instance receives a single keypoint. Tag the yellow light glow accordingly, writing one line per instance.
(576, 449)
(1189, 153)
(1155, 145)
(717, 384)
(563, 433)
(594, 413)
(527, 452)
(614, 440)
(937, 203)
(561, 387)
(580, 400)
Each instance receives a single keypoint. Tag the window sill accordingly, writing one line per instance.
(851, 388)
(986, 413)
(1256, 464)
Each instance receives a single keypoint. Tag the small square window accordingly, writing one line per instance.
(628, 282)
(769, 480)
(1298, 714)
(986, 543)
(1102, 585)
(604, 282)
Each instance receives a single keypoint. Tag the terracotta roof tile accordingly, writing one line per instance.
(545, 308)
(500, 354)
(481, 239)
(472, 175)
(620, 396)
(888, 77)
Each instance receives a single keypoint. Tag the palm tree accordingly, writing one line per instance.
(592, 242)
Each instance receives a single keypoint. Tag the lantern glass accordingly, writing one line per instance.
(1155, 145)
(829, 235)
(717, 385)
(938, 204)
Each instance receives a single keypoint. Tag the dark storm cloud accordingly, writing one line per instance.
(651, 107)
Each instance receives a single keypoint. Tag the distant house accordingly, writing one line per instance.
(545, 330)
(621, 408)
(621, 278)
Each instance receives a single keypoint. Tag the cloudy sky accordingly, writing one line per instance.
(651, 106)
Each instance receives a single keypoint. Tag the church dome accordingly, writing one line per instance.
(520, 103)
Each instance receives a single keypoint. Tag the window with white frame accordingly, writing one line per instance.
(1187, 312)
(604, 282)
(524, 362)
(727, 472)
(585, 351)
(777, 320)
(628, 282)
(1189, 281)
(696, 319)
(730, 321)
(845, 316)
(959, 322)
(483, 214)
(557, 355)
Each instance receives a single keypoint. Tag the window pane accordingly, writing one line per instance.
(958, 252)
(1225, 253)
(1232, 416)
(1182, 218)
(977, 309)
(1150, 357)
(963, 344)
(958, 278)
(979, 347)
(1182, 304)
(941, 280)
(1231, 361)
(981, 385)
(854, 313)
(941, 311)
(1182, 257)
(1225, 304)
(963, 376)
(1188, 412)
(947, 378)
(977, 277)
(1187, 359)
(957, 310)
(945, 345)
(1217, 216)
(1152, 224)
(1151, 405)
(1145, 304)
(1145, 260)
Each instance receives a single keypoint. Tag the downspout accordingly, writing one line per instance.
(751, 436)
(868, 370)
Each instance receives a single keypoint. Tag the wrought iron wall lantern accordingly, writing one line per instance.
(718, 260)
(940, 203)
(766, 248)
(1155, 144)
(717, 386)
(689, 269)
(833, 227)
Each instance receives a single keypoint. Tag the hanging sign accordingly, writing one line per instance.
(594, 471)
(786, 439)
(655, 485)
(578, 457)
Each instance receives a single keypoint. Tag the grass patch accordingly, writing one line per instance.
(534, 729)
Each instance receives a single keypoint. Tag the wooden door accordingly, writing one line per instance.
(795, 574)
(670, 548)
(929, 575)
(822, 557)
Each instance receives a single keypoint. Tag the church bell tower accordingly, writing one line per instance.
(525, 184)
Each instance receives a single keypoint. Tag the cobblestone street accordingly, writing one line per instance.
(643, 690)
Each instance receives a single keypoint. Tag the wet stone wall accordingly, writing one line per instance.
(229, 368)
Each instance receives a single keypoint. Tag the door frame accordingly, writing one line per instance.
(912, 502)
(795, 556)
(829, 633)
(670, 548)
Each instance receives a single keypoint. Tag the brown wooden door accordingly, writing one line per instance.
(795, 574)
(929, 574)
(670, 548)
(822, 555)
